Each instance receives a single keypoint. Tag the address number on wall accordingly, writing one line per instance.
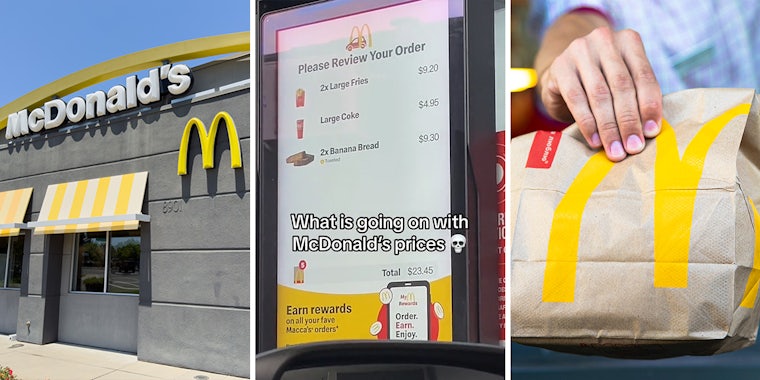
(171, 206)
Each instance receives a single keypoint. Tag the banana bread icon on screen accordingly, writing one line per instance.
(300, 159)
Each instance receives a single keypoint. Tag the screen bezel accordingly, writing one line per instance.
(267, 152)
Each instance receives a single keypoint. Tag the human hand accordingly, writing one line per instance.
(604, 82)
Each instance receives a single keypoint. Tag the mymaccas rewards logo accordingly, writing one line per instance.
(408, 300)
(358, 38)
(207, 142)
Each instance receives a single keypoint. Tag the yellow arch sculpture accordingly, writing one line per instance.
(207, 142)
(145, 59)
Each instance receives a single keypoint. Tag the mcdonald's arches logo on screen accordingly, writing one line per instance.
(408, 299)
(358, 39)
(207, 142)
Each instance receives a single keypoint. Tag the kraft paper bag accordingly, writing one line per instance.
(655, 256)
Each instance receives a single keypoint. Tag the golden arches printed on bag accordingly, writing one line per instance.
(671, 235)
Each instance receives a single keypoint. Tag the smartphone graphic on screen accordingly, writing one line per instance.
(409, 310)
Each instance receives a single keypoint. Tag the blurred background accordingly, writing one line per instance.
(526, 116)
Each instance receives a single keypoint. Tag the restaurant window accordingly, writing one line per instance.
(11, 259)
(107, 262)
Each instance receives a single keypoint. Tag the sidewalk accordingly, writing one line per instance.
(58, 361)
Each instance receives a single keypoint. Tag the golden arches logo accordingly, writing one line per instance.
(207, 142)
(357, 39)
(674, 175)
(409, 297)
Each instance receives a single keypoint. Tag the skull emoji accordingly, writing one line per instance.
(457, 242)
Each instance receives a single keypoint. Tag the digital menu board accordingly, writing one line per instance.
(365, 228)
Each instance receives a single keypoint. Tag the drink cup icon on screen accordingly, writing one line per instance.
(300, 97)
(299, 128)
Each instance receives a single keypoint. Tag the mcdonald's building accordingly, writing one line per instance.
(124, 210)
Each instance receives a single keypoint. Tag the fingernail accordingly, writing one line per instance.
(634, 144)
(616, 149)
(595, 140)
(651, 128)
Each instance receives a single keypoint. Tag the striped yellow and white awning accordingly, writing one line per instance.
(100, 204)
(13, 206)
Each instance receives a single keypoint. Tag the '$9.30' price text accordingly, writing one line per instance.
(428, 137)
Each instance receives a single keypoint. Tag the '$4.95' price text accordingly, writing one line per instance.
(428, 103)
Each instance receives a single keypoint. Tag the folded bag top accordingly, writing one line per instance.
(655, 256)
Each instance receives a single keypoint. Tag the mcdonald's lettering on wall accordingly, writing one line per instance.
(207, 139)
(134, 92)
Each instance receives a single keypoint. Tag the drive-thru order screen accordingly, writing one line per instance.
(364, 221)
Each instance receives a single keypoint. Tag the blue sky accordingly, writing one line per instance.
(42, 41)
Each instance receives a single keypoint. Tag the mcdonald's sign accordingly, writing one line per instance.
(357, 38)
(207, 142)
